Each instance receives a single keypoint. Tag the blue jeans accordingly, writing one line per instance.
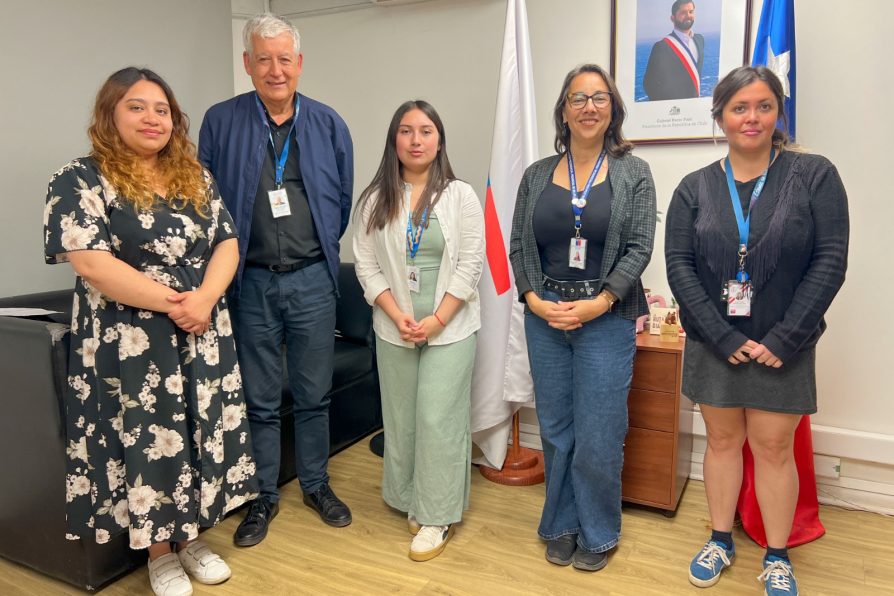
(581, 381)
(298, 309)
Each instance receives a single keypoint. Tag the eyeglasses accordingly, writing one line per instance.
(600, 99)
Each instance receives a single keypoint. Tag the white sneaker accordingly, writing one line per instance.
(167, 578)
(429, 542)
(412, 525)
(204, 565)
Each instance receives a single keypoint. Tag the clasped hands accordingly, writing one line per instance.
(567, 316)
(753, 351)
(417, 332)
(192, 310)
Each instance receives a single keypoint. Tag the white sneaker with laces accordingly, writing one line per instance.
(430, 542)
(204, 565)
(167, 578)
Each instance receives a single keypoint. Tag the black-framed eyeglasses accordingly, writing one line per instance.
(600, 99)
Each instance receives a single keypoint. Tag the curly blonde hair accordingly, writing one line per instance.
(183, 175)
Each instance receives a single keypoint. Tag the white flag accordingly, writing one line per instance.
(502, 374)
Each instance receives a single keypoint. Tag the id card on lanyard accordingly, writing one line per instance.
(414, 239)
(737, 293)
(279, 198)
(577, 249)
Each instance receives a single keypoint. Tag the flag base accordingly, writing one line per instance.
(522, 466)
(377, 443)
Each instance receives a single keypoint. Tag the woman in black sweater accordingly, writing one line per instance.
(756, 249)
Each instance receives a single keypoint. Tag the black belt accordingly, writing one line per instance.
(574, 290)
(278, 268)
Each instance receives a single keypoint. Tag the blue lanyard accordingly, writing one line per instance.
(579, 201)
(280, 160)
(743, 221)
(414, 237)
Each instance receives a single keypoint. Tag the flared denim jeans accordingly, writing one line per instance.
(581, 381)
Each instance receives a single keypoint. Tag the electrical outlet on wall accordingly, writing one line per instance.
(829, 467)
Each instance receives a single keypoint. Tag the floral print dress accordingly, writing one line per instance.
(158, 440)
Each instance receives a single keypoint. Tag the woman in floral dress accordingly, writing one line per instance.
(158, 441)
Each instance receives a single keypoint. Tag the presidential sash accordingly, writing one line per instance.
(685, 56)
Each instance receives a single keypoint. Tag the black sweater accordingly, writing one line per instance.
(797, 254)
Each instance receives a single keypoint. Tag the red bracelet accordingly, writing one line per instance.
(435, 315)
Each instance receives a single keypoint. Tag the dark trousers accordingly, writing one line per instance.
(295, 309)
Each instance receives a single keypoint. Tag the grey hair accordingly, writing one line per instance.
(268, 26)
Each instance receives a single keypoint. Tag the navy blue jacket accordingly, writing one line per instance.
(232, 142)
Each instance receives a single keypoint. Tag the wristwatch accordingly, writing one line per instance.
(609, 297)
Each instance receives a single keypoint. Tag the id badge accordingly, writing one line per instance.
(279, 202)
(577, 253)
(737, 295)
(413, 278)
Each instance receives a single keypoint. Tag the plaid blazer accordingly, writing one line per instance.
(628, 242)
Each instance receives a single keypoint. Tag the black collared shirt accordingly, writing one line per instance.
(282, 240)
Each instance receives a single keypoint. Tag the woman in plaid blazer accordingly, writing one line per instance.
(582, 234)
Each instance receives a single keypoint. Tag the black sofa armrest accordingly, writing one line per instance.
(55, 300)
(353, 316)
(33, 366)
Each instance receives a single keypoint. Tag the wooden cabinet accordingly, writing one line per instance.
(658, 449)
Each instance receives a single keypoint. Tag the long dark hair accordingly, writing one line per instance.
(615, 143)
(742, 77)
(388, 184)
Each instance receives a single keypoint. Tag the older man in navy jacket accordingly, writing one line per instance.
(284, 166)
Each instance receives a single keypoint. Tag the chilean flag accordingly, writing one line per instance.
(774, 47)
(502, 373)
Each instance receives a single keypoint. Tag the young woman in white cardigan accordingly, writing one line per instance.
(419, 250)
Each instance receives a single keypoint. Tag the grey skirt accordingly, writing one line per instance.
(789, 389)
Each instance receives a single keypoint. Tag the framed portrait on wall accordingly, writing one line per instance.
(667, 57)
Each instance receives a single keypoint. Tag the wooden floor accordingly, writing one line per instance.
(495, 551)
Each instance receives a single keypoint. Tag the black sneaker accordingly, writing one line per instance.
(589, 561)
(331, 509)
(253, 528)
(560, 550)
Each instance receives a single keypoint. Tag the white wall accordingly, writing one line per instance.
(54, 55)
(365, 62)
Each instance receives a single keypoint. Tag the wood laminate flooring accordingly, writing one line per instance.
(496, 551)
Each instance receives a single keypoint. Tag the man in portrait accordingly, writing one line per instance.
(675, 63)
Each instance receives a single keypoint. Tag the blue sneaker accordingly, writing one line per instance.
(778, 577)
(704, 571)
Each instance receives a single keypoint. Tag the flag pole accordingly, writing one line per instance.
(522, 467)
(502, 380)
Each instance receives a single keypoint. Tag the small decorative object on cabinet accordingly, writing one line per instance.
(658, 449)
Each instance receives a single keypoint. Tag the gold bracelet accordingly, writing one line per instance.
(608, 298)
